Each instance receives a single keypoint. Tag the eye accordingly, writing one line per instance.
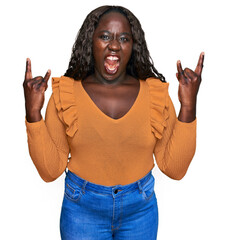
(124, 39)
(104, 37)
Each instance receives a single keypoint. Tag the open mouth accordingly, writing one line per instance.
(111, 64)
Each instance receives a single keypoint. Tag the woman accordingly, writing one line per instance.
(111, 111)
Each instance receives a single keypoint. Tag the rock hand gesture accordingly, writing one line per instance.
(189, 83)
(34, 89)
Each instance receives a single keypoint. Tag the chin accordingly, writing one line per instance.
(109, 75)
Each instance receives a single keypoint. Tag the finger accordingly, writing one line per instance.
(47, 75)
(199, 66)
(181, 77)
(29, 83)
(35, 82)
(179, 67)
(177, 75)
(43, 86)
(28, 71)
(190, 75)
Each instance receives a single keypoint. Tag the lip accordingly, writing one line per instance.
(111, 72)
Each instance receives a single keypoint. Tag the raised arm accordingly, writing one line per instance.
(189, 83)
(175, 150)
(47, 141)
(34, 89)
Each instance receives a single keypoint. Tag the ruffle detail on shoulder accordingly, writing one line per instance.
(65, 103)
(158, 92)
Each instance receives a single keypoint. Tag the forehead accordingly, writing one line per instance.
(113, 21)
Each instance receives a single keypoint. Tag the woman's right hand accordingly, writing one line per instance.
(34, 89)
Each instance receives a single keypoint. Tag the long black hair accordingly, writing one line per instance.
(81, 64)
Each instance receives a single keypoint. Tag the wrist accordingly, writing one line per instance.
(33, 116)
(187, 114)
(188, 108)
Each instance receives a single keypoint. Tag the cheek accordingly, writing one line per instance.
(127, 52)
(99, 45)
(98, 50)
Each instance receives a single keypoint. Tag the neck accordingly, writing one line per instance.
(97, 77)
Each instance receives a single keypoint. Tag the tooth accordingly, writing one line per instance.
(112, 58)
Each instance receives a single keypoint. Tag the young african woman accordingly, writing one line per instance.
(111, 112)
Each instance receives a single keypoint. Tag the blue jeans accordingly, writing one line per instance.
(121, 212)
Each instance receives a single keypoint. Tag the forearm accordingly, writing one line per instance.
(175, 150)
(175, 158)
(49, 160)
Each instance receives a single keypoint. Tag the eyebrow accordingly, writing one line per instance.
(123, 33)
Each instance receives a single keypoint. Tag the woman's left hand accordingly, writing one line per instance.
(189, 83)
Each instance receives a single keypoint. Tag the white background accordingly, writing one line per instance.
(193, 208)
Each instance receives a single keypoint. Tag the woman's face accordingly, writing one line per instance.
(112, 46)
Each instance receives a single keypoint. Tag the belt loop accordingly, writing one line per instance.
(83, 186)
(140, 186)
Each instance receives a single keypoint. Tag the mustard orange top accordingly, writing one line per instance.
(110, 151)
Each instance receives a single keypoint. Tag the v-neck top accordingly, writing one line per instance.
(77, 135)
(94, 107)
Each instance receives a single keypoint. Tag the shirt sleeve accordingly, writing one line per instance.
(48, 145)
(175, 150)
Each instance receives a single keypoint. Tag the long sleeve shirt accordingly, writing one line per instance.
(109, 151)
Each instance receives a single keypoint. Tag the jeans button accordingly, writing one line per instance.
(116, 191)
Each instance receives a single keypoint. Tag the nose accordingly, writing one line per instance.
(114, 45)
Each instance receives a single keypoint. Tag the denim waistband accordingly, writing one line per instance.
(84, 184)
